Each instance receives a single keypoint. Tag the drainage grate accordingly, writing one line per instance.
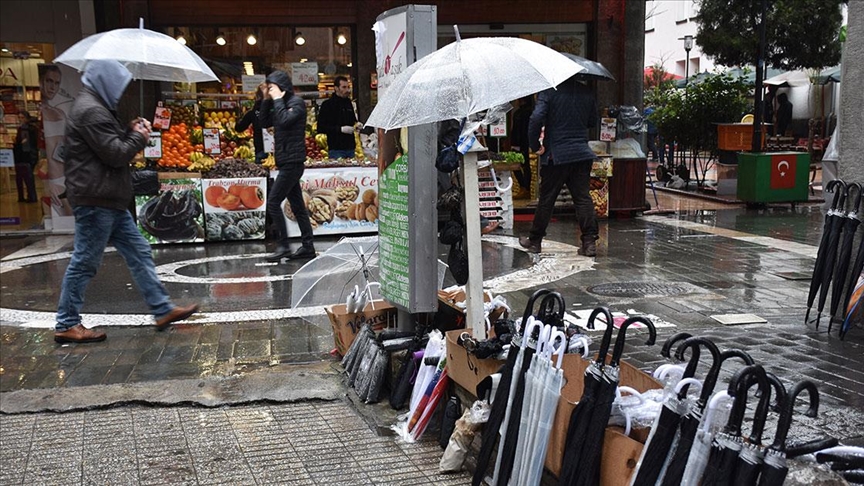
(642, 289)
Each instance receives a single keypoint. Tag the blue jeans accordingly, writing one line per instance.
(341, 154)
(94, 228)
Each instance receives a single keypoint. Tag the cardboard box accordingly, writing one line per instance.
(620, 452)
(346, 326)
(463, 367)
(450, 316)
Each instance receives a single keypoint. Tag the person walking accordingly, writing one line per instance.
(26, 154)
(565, 158)
(250, 118)
(286, 113)
(337, 120)
(99, 188)
(519, 143)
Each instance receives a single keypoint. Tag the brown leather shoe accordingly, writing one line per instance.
(79, 334)
(530, 246)
(178, 314)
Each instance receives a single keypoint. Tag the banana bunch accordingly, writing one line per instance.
(200, 162)
(321, 140)
(269, 162)
(358, 147)
(244, 152)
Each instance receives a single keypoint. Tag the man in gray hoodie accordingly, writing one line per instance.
(99, 187)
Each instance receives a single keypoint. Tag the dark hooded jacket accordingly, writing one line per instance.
(287, 116)
(99, 147)
(567, 112)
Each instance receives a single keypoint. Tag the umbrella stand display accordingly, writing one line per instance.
(850, 226)
(774, 470)
(827, 249)
(580, 416)
(588, 468)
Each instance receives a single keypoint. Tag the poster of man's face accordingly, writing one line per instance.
(49, 80)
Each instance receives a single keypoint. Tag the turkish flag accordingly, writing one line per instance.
(783, 171)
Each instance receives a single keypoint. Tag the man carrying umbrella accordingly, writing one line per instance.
(565, 158)
(99, 188)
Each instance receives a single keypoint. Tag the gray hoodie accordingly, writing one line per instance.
(108, 78)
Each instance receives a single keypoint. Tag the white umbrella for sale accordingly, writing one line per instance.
(534, 380)
(458, 80)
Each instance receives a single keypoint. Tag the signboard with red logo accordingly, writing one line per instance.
(783, 168)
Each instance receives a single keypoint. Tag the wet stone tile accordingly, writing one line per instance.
(111, 478)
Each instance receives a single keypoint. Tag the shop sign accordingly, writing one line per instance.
(393, 234)
(7, 158)
(174, 215)
(153, 150)
(498, 130)
(162, 118)
(391, 49)
(608, 128)
(304, 73)
(251, 83)
(211, 141)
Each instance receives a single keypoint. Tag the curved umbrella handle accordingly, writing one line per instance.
(632, 391)
(670, 367)
(738, 386)
(785, 421)
(559, 338)
(543, 341)
(686, 382)
(585, 351)
(529, 330)
(607, 334)
(529, 307)
(619, 340)
(667, 346)
(713, 372)
(368, 292)
(718, 397)
(711, 379)
(856, 204)
(839, 196)
(495, 181)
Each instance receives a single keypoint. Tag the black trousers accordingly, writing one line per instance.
(577, 176)
(24, 177)
(287, 186)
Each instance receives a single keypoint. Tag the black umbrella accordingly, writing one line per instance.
(663, 431)
(499, 406)
(850, 226)
(581, 415)
(589, 461)
(592, 68)
(819, 266)
(507, 451)
(774, 470)
(752, 455)
(723, 458)
(836, 215)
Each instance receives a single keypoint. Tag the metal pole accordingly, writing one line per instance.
(760, 76)
(687, 67)
(140, 81)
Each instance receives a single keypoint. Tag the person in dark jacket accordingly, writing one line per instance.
(99, 188)
(26, 153)
(565, 158)
(337, 120)
(250, 118)
(784, 114)
(286, 113)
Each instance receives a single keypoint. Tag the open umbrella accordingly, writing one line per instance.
(833, 224)
(592, 68)
(498, 413)
(329, 277)
(727, 445)
(581, 415)
(850, 226)
(774, 470)
(589, 461)
(788, 79)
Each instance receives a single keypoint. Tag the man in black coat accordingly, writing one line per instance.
(337, 120)
(565, 158)
(286, 113)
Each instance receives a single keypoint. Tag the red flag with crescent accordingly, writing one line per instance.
(783, 171)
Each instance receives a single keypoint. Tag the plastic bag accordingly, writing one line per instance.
(463, 435)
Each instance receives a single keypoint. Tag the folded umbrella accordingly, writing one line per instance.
(834, 233)
(850, 226)
(854, 274)
(774, 470)
(701, 449)
(589, 461)
(751, 458)
(819, 266)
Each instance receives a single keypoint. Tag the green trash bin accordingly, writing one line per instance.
(773, 176)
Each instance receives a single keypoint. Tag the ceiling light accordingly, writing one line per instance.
(4, 50)
(299, 39)
(304, 59)
(341, 39)
(220, 39)
(251, 40)
(181, 39)
(350, 64)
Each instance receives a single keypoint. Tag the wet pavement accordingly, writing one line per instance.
(681, 268)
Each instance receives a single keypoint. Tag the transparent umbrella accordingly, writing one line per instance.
(146, 54)
(329, 278)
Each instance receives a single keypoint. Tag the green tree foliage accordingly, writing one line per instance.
(801, 34)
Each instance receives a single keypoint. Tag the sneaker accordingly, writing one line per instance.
(78, 334)
(530, 246)
(589, 248)
(303, 253)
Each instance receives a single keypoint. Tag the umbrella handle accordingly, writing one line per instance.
(666, 351)
(529, 329)
(509, 185)
(718, 397)
(686, 382)
(632, 391)
(560, 338)
(543, 340)
(529, 307)
(586, 352)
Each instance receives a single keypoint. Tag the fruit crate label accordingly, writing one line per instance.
(153, 150)
(162, 118)
(211, 141)
(234, 209)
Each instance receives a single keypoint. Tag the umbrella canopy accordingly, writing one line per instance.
(850, 226)
(834, 216)
(774, 471)
(830, 75)
(467, 77)
(589, 462)
(330, 277)
(789, 79)
(146, 54)
(592, 68)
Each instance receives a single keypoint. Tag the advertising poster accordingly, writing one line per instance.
(393, 240)
(340, 200)
(234, 209)
(56, 85)
(175, 215)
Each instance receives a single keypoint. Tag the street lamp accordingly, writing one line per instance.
(688, 45)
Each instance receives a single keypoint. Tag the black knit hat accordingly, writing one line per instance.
(281, 79)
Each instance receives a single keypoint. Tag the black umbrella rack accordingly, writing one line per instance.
(834, 268)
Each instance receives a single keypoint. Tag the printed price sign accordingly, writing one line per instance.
(608, 128)
(304, 73)
(211, 141)
(7, 158)
(162, 119)
(153, 150)
(231, 104)
(269, 142)
(498, 130)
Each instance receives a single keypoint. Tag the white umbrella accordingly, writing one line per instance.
(789, 79)
(460, 79)
(148, 55)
